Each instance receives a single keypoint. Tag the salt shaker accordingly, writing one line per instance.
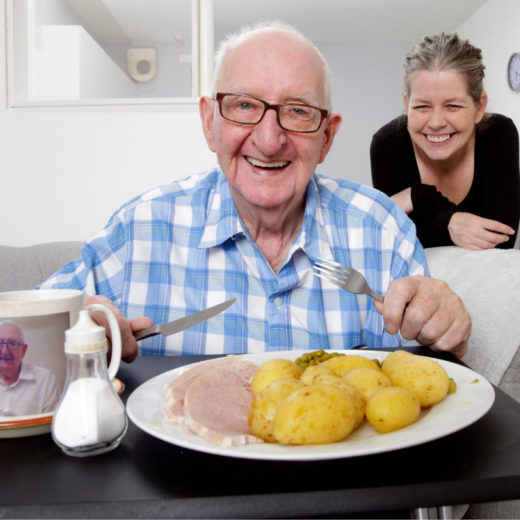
(90, 418)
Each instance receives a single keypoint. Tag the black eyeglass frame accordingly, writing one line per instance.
(268, 106)
(12, 345)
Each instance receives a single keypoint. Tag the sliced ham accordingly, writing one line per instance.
(213, 399)
(174, 391)
(217, 404)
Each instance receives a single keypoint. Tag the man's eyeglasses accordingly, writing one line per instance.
(11, 343)
(248, 110)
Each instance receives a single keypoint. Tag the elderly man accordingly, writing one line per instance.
(253, 228)
(25, 389)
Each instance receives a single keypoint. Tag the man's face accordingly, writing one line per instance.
(266, 166)
(12, 350)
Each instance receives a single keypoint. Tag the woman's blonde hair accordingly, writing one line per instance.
(447, 52)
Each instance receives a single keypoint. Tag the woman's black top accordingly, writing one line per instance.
(494, 193)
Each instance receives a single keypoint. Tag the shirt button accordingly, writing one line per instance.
(278, 301)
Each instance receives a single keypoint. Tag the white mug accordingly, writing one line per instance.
(32, 335)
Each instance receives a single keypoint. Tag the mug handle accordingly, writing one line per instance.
(116, 337)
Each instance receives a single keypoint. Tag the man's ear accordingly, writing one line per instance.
(333, 123)
(206, 109)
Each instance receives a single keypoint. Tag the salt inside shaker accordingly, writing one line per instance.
(90, 418)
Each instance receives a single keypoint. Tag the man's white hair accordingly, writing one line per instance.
(9, 322)
(233, 40)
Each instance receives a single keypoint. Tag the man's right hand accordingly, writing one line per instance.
(473, 232)
(127, 327)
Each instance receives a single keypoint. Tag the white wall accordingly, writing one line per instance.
(495, 28)
(64, 171)
(367, 91)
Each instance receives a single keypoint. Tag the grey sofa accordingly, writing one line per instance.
(25, 267)
(487, 281)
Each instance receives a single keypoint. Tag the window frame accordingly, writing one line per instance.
(18, 65)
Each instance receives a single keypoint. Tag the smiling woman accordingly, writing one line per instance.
(449, 165)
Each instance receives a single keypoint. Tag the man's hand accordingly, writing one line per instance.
(127, 327)
(474, 232)
(426, 310)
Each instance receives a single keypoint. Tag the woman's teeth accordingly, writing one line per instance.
(438, 138)
(271, 165)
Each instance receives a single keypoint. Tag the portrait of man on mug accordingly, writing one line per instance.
(25, 388)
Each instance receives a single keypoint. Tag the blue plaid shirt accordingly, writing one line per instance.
(182, 247)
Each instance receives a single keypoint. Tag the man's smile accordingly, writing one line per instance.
(274, 165)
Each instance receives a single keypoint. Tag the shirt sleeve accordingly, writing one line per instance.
(432, 212)
(498, 159)
(52, 394)
(392, 161)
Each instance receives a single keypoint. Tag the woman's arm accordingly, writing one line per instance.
(404, 200)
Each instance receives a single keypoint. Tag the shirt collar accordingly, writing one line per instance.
(223, 221)
(26, 374)
(313, 238)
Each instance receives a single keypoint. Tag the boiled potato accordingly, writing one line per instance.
(392, 408)
(271, 370)
(263, 410)
(342, 364)
(366, 380)
(316, 414)
(359, 401)
(396, 358)
(311, 372)
(424, 376)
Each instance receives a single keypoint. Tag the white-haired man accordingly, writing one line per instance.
(253, 228)
(25, 389)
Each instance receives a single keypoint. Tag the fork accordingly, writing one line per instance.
(345, 277)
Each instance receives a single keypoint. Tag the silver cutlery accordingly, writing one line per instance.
(345, 277)
(183, 323)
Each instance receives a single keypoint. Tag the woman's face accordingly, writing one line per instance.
(441, 114)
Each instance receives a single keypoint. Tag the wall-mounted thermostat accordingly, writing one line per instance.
(142, 63)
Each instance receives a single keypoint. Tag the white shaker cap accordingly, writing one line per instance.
(85, 336)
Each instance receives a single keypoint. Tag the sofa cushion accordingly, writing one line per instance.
(26, 267)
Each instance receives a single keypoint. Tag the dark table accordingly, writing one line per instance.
(148, 478)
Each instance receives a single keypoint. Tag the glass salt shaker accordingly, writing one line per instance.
(90, 418)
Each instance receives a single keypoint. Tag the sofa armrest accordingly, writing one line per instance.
(25, 267)
(489, 284)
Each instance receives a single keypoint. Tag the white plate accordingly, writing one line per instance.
(473, 398)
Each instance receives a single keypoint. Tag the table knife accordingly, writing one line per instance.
(183, 323)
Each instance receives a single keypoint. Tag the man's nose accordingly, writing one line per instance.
(3, 348)
(268, 135)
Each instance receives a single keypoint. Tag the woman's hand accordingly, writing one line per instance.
(474, 232)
